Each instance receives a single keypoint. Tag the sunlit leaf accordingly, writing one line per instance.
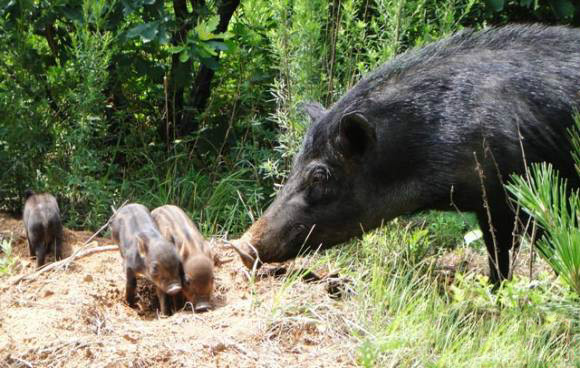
(184, 56)
(176, 49)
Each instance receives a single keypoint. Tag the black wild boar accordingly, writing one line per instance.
(42, 225)
(194, 251)
(146, 253)
(425, 131)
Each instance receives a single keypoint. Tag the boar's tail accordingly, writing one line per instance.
(28, 193)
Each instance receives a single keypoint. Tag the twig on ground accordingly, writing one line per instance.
(80, 253)
(23, 362)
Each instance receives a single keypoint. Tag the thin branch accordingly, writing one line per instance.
(488, 212)
(79, 253)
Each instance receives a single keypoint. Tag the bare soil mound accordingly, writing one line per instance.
(77, 317)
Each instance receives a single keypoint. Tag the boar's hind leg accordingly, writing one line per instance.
(163, 302)
(130, 287)
(498, 244)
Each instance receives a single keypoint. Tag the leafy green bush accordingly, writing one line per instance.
(92, 92)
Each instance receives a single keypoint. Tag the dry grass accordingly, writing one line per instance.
(77, 317)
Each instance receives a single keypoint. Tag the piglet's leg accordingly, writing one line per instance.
(58, 245)
(163, 302)
(31, 247)
(40, 254)
(131, 286)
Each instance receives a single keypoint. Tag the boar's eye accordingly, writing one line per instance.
(320, 188)
(319, 176)
(154, 268)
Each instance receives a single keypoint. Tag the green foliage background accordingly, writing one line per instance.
(103, 101)
(196, 103)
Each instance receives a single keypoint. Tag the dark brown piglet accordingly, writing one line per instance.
(196, 256)
(146, 253)
(42, 225)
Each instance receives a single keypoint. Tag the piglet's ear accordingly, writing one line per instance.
(356, 135)
(314, 110)
(184, 254)
(142, 246)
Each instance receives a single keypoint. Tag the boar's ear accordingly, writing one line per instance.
(356, 135)
(142, 246)
(313, 109)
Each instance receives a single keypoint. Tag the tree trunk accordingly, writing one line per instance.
(201, 89)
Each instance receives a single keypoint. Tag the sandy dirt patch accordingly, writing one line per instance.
(78, 317)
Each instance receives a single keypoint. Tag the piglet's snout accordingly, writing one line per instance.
(174, 289)
(202, 306)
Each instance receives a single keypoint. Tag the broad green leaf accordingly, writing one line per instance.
(224, 35)
(164, 37)
(205, 30)
(203, 50)
(147, 31)
(212, 23)
(129, 6)
(176, 49)
(184, 56)
(203, 34)
(217, 45)
(496, 5)
(73, 13)
(211, 63)
(562, 8)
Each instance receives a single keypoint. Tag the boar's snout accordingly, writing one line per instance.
(247, 252)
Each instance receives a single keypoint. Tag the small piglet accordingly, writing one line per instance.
(146, 253)
(42, 225)
(194, 251)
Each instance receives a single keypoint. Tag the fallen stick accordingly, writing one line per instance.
(79, 253)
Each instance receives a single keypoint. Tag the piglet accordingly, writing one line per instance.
(194, 251)
(146, 253)
(42, 225)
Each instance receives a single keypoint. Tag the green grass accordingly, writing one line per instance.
(6, 258)
(406, 317)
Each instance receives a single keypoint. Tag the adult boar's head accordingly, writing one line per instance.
(336, 190)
